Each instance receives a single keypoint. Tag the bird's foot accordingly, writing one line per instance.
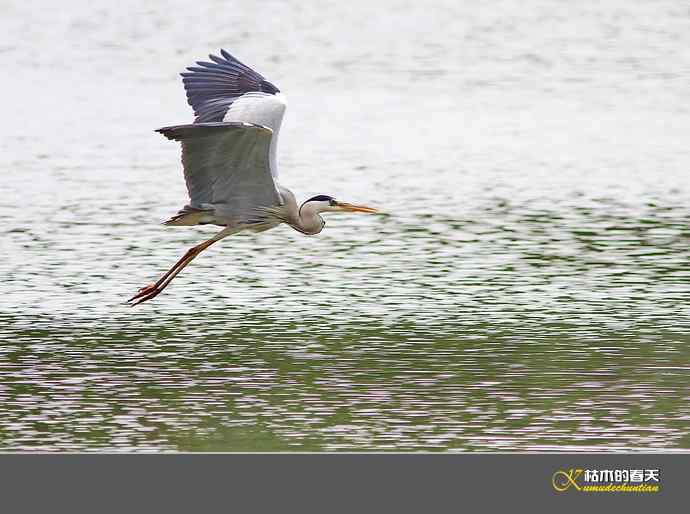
(145, 293)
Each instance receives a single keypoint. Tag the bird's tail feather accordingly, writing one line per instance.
(189, 216)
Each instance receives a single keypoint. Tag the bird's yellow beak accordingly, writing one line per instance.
(348, 207)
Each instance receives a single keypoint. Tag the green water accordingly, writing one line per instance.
(270, 384)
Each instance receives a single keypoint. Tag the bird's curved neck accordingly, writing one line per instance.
(308, 221)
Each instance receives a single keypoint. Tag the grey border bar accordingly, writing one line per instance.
(326, 483)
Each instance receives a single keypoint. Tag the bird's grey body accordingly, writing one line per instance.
(229, 155)
(231, 167)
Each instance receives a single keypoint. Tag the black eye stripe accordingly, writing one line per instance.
(320, 198)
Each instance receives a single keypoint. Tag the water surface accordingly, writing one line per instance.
(525, 287)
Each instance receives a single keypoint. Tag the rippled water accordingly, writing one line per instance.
(525, 288)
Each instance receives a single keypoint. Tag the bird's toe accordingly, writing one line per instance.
(143, 291)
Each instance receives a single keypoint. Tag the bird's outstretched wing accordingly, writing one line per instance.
(213, 86)
(226, 167)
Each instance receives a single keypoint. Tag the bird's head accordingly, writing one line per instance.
(324, 203)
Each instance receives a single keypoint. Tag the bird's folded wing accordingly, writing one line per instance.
(227, 165)
(213, 86)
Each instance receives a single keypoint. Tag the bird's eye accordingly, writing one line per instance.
(332, 203)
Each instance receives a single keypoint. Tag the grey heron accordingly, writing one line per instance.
(229, 161)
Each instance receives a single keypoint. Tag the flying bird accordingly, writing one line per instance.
(229, 161)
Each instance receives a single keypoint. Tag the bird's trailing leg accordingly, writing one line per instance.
(151, 291)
